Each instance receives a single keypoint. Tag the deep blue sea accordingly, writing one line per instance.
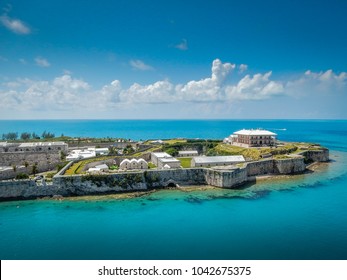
(302, 217)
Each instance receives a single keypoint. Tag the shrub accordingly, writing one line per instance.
(21, 176)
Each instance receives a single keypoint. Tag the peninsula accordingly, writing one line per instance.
(75, 166)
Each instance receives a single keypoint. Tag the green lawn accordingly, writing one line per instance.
(175, 141)
(77, 167)
(151, 165)
(185, 162)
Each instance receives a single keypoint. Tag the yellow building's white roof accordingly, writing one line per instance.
(255, 132)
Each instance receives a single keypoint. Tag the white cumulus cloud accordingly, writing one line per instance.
(183, 46)
(243, 68)
(207, 89)
(109, 94)
(158, 92)
(140, 65)
(65, 93)
(15, 25)
(317, 82)
(256, 87)
(61, 93)
(42, 62)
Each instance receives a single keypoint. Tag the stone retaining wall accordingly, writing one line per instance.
(44, 161)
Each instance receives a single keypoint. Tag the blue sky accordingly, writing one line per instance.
(173, 59)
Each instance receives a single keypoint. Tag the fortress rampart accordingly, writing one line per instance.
(78, 185)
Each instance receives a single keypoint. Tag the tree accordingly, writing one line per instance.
(34, 169)
(22, 176)
(128, 150)
(35, 136)
(47, 135)
(112, 151)
(10, 136)
(25, 135)
(172, 151)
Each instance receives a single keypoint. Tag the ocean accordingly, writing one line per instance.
(299, 217)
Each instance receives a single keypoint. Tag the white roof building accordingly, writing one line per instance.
(255, 132)
(252, 138)
(188, 153)
(133, 164)
(102, 151)
(98, 168)
(216, 160)
(80, 154)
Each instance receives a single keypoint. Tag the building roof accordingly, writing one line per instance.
(102, 166)
(34, 144)
(161, 155)
(168, 160)
(255, 132)
(219, 159)
(101, 149)
(187, 152)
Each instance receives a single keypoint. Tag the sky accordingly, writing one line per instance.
(140, 59)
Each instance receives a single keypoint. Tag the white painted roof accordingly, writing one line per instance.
(102, 166)
(161, 155)
(187, 152)
(219, 159)
(101, 149)
(168, 160)
(125, 160)
(256, 132)
(94, 169)
(33, 144)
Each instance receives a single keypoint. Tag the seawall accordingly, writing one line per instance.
(78, 185)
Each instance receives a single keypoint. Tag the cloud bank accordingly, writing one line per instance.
(68, 93)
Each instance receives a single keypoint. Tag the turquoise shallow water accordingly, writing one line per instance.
(303, 217)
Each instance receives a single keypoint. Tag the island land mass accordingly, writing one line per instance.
(57, 167)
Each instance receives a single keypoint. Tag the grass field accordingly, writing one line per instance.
(185, 162)
(77, 167)
(174, 141)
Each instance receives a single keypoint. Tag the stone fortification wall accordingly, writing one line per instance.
(260, 167)
(226, 178)
(289, 166)
(163, 178)
(140, 180)
(24, 189)
(317, 155)
(143, 180)
(9, 173)
(99, 184)
(44, 161)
